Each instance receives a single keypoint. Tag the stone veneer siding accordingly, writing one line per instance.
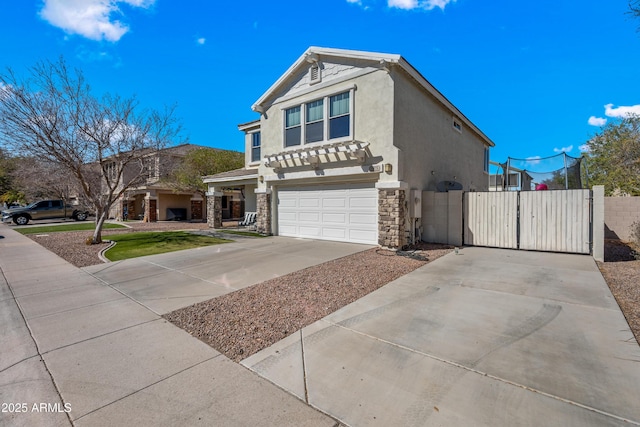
(214, 211)
(263, 217)
(151, 210)
(391, 218)
(196, 209)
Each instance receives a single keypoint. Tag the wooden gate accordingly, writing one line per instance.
(556, 221)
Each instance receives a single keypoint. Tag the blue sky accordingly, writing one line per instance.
(538, 77)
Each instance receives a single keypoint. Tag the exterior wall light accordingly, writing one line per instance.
(388, 167)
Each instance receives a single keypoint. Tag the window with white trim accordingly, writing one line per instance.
(314, 121)
(324, 119)
(292, 128)
(339, 116)
(255, 147)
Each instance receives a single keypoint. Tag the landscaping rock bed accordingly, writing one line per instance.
(244, 322)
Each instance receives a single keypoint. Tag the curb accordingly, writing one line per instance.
(104, 259)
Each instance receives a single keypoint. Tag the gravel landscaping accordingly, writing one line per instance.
(243, 322)
(71, 245)
(621, 270)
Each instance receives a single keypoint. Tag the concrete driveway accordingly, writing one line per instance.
(163, 283)
(88, 347)
(488, 337)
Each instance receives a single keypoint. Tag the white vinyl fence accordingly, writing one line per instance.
(557, 221)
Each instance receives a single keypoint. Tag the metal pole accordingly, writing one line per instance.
(566, 179)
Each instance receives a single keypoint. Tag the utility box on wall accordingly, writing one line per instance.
(415, 204)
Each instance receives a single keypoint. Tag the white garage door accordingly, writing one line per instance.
(345, 213)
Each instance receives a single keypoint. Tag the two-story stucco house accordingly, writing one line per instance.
(345, 144)
(154, 199)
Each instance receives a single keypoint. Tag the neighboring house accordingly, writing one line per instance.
(345, 145)
(155, 199)
(518, 179)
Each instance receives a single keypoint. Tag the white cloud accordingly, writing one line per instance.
(89, 18)
(201, 41)
(533, 160)
(621, 111)
(418, 4)
(584, 148)
(597, 121)
(563, 149)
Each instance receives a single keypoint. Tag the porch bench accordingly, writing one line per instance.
(249, 219)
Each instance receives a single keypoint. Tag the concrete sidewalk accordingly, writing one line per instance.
(95, 356)
(489, 337)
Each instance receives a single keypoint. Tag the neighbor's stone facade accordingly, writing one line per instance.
(151, 210)
(214, 211)
(263, 217)
(196, 209)
(391, 218)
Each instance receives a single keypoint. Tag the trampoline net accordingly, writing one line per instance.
(557, 172)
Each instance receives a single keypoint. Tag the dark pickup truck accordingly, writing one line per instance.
(44, 209)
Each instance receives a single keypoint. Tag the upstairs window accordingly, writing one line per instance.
(292, 127)
(255, 147)
(314, 128)
(324, 119)
(339, 116)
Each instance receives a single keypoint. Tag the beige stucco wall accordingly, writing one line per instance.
(619, 214)
(428, 142)
(250, 200)
(372, 117)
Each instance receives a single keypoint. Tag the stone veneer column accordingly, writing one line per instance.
(214, 211)
(391, 218)
(263, 217)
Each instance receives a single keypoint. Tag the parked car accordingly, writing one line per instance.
(44, 209)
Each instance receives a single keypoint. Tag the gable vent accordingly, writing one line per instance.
(314, 73)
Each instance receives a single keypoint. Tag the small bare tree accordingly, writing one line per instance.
(53, 116)
(39, 179)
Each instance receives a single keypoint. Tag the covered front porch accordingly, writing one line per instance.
(230, 196)
(151, 205)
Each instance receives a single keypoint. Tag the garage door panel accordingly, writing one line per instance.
(333, 202)
(334, 233)
(362, 235)
(288, 230)
(309, 217)
(332, 212)
(362, 219)
(363, 203)
(288, 203)
(309, 202)
(288, 216)
(335, 218)
(313, 232)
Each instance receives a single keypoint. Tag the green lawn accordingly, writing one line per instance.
(83, 226)
(134, 245)
(243, 233)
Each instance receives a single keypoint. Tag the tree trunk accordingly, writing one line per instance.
(97, 233)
